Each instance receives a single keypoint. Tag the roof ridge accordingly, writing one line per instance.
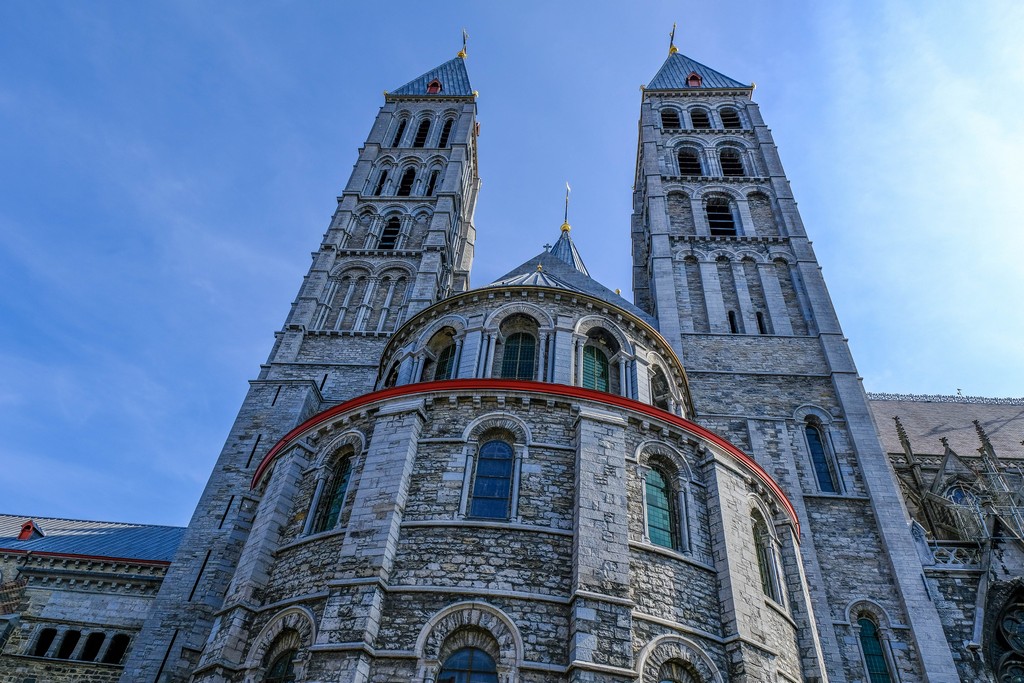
(89, 521)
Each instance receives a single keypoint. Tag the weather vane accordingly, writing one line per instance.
(465, 40)
(565, 224)
(672, 49)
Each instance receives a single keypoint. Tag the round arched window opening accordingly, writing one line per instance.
(674, 671)
(468, 665)
(282, 669)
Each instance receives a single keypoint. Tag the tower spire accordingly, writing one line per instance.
(672, 49)
(565, 223)
(465, 40)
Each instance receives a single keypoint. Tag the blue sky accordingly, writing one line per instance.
(168, 168)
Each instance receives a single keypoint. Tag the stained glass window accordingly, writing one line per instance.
(662, 520)
(492, 484)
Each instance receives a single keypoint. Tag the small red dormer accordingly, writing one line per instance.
(434, 87)
(693, 80)
(29, 531)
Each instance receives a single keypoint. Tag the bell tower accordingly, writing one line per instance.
(722, 260)
(401, 238)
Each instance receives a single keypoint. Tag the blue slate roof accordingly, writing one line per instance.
(566, 250)
(676, 69)
(95, 539)
(452, 75)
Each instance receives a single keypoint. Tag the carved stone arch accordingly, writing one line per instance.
(866, 606)
(676, 187)
(709, 191)
(665, 452)
(494, 320)
(749, 255)
(463, 619)
(505, 421)
(670, 647)
(780, 254)
(684, 253)
(386, 160)
(701, 254)
(297, 620)
(810, 411)
(435, 160)
(720, 255)
(345, 266)
(452, 320)
(591, 322)
(353, 437)
(388, 212)
(736, 142)
(675, 142)
(420, 212)
(383, 269)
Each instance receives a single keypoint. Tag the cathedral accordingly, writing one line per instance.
(537, 480)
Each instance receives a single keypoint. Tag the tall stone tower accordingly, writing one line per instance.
(722, 260)
(400, 239)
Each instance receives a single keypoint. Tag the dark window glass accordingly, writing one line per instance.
(405, 184)
(762, 328)
(492, 484)
(282, 670)
(399, 133)
(381, 180)
(389, 238)
(118, 646)
(330, 506)
(732, 164)
(720, 219)
(44, 642)
(595, 369)
(662, 523)
(689, 163)
(670, 118)
(870, 643)
(518, 360)
(660, 392)
(92, 647)
(730, 118)
(421, 133)
(762, 542)
(446, 133)
(700, 119)
(67, 646)
(468, 665)
(734, 326)
(445, 363)
(392, 378)
(432, 183)
(820, 460)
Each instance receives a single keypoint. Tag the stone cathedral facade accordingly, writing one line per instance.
(537, 480)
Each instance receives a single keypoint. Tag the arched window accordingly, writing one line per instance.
(661, 394)
(700, 119)
(405, 184)
(595, 369)
(871, 647)
(68, 643)
(662, 517)
(734, 325)
(446, 133)
(765, 556)
(689, 162)
(732, 164)
(693, 80)
(389, 236)
(670, 118)
(730, 118)
(468, 665)
(382, 180)
(333, 496)
(282, 669)
(519, 356)
(492, 482)
(674, 671)
(434, 87)
(432, 183)
(421, 133)
(720, 218)
(445, 368)
(820, 459)
(118, 646)
(92, 647)
(399, 133)
(44, 641)
(392, 377)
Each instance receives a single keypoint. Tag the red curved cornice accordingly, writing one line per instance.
(461, 385)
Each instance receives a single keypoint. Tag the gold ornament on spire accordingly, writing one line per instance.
(672, 49)
(465, 40)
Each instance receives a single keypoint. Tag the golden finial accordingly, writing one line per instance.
(618, 291)
(672, 49)
(465, 40)
(565, 224)
(539, 268)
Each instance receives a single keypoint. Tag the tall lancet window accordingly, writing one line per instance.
(874, 655)
(405, 184)
(492, 483)
(446, 133)
(399, 133)
(823, 470)
(421, 133)
(662, 517)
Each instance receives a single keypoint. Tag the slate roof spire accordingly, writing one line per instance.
(447, 80)
(676, 72)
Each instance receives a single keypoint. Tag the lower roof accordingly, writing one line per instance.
(106, 540)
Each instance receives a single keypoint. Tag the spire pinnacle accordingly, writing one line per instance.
(672, 49)
(565, 224)
(465, 39)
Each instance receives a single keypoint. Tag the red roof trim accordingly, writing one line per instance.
(452, 385)
(76, 556)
